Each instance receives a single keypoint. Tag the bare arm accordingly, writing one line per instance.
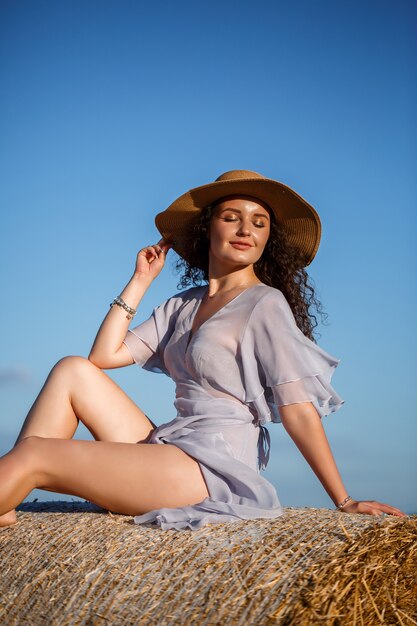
(303, 424)
(108, 350)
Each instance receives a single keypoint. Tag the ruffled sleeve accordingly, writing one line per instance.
(146, 342)
(281, 365)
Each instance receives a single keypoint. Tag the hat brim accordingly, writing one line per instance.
(295, 215)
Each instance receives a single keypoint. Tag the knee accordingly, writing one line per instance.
(72, 364)
(32, 454)
(31, 442)
(30, 447)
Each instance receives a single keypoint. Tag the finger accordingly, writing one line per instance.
(375, 511)
(156, 252)
(166, 243)
(149, 252)
(163, 243)
(154, 249)
(383, 505)
(388, 509)
(391, 510)
(147, 249)
(161, 249)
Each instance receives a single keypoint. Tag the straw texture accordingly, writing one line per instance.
(73, 563)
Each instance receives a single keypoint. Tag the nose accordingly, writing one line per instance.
(244, 228)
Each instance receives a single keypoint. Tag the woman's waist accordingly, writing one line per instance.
(194, 390)
(227, 422)
(198, 402)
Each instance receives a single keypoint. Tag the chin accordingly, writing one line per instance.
(249, 256)
(238, 259)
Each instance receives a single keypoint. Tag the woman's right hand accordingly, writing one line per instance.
(151, 260)
(108, 350)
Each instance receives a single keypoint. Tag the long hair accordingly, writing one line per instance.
(280, 266)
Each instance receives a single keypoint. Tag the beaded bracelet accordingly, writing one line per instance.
(342, 504)
(121, 303)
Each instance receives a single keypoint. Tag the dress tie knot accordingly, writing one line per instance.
(264, 447)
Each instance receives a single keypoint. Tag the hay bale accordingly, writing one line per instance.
(73, 563)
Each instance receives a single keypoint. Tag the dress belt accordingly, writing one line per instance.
(264, 447)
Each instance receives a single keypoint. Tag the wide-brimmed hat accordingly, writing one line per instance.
(296, 217)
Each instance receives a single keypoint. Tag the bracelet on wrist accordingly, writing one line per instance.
(342, 504)
(122, 304)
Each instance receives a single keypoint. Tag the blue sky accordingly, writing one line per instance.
(110, 110)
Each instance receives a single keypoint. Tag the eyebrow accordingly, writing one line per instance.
(239, 211)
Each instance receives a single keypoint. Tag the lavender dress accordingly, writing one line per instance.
(244, 362)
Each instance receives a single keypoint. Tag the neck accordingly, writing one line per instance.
(236, 281)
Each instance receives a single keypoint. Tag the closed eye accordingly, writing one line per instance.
(233, 219)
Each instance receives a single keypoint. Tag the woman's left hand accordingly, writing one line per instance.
(371, 507)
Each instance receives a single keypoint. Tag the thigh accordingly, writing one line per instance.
(104, 408)
(122, 477)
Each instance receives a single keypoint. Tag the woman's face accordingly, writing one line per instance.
(239, 230)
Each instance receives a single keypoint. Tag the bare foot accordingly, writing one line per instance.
(8, 519)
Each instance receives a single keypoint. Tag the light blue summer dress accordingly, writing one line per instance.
(231, 376)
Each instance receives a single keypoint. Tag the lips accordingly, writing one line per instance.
(240, 246)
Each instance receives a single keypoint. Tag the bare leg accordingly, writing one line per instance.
(78, 390)
(122, 477)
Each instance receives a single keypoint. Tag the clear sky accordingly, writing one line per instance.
(111, 109)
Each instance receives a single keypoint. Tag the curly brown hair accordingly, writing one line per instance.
(281, 266)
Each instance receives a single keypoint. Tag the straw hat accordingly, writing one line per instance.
(296, 217)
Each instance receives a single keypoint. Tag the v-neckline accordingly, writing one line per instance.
(192, 333)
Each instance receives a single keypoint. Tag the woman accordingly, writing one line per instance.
(240, 351)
